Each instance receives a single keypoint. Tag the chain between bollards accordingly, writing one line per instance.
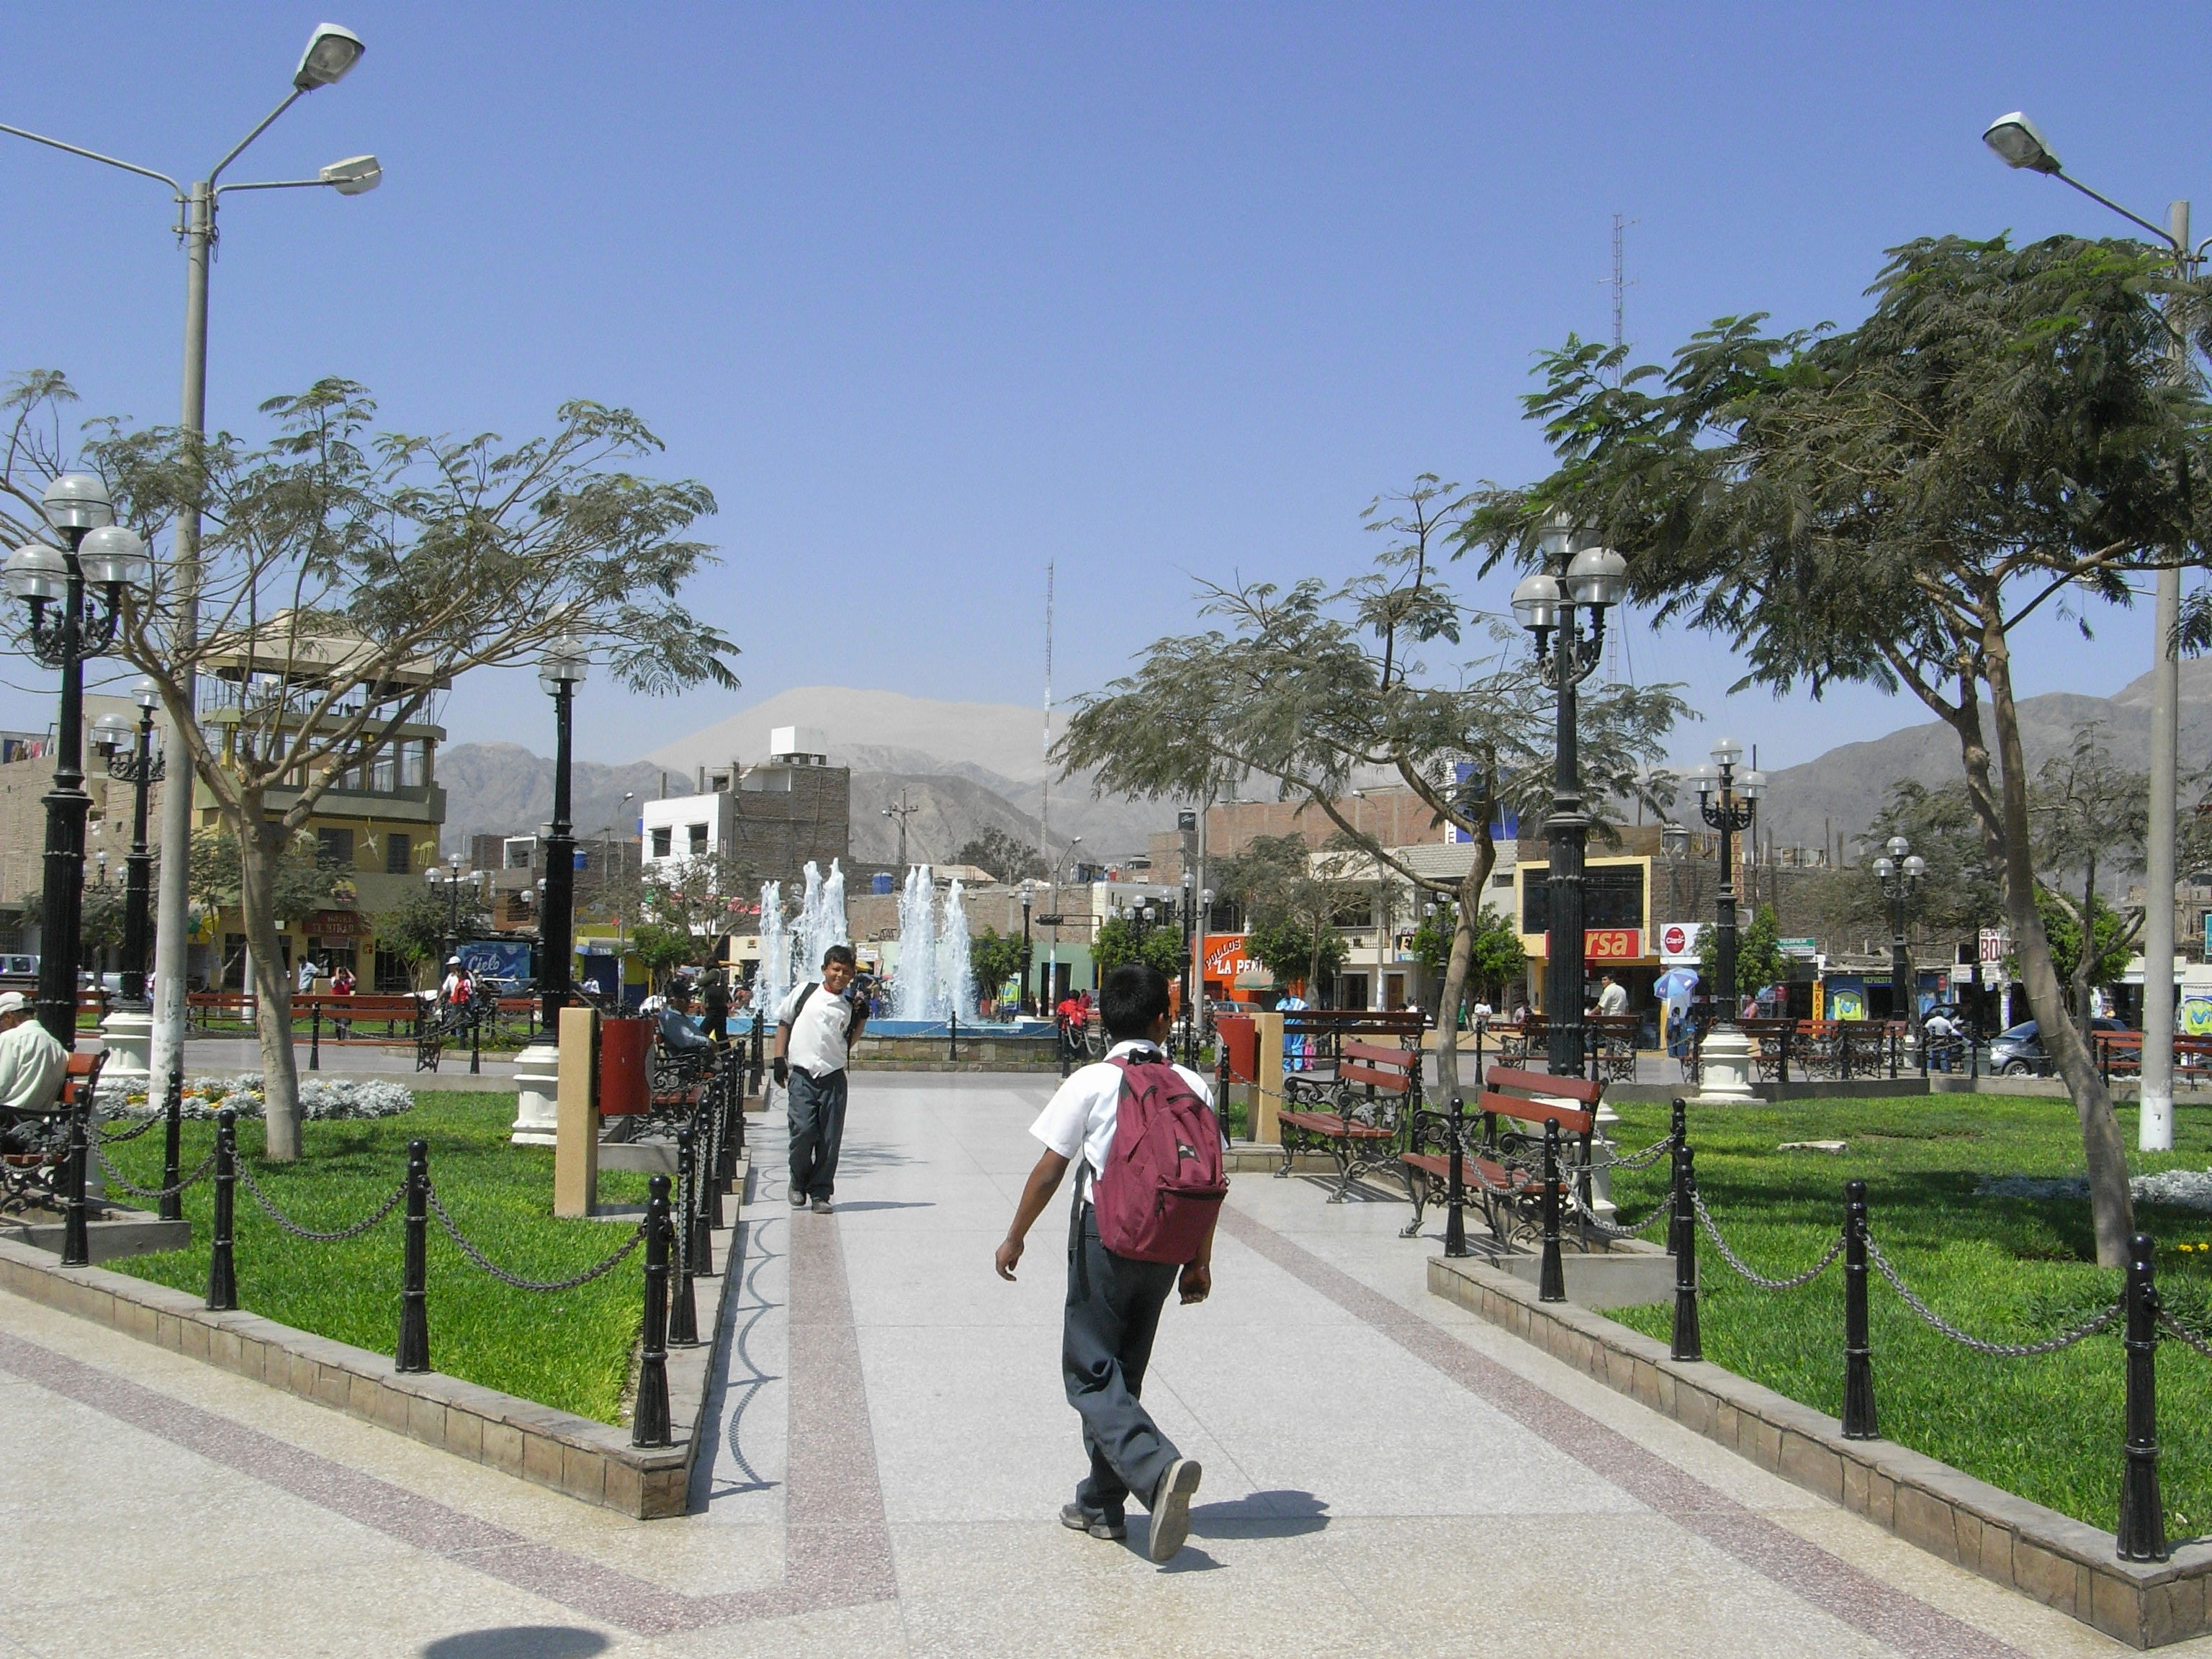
(222, 1270)
(2142, 1513)
(705, 1207)
(76, 1243)
(173, 1199)
(412, 1352)
(649, 1424)
(1687, 1341)
(1552, 1274)
(1456, 1179)
(682, 1306)
(1859, 1355)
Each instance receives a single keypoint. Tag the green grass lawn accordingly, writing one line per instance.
(2007, 1269)
(570, 1349)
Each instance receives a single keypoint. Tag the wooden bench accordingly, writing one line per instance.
(1502, 1173)
(34, 1176)
(1374, 1089)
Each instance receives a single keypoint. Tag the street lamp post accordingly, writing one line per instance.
(136, 764)
(332, 52)
(2020, 144)
(1550, 601)
(1899, 871)
(1730, 806)
(566, 667)
(99, 555)
(1029, 897)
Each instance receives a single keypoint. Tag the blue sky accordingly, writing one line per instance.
(929, 296)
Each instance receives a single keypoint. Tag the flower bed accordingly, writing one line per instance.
(321, 1099)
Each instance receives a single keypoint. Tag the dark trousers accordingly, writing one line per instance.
(1106, 1341)
(816, 1109)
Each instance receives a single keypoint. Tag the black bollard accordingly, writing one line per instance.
(77, 1244)
(760, 1041)
(172, 1201)
(2142, 1513)
(952, 1038)
(1678, 1213)
(649, 1418)
(413, 1352)
(315, 1038)
(1858, 1354)
(476, 1040)
(1455, 1180)
(222, 1269)
(1688, 1343)
(1552, 1274)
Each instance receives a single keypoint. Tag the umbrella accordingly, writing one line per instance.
(1674, 983)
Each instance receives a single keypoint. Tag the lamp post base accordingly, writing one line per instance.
(128, 1037)
(1725, 1069)
(536, 1080)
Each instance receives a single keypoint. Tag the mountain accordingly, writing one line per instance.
(1839, 793)
(950, 812)
(503, 789)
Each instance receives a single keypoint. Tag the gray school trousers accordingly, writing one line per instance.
(816, 1109)
(1106, 1341)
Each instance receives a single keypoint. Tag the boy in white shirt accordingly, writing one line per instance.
(814, 1030)
(1114, 1302)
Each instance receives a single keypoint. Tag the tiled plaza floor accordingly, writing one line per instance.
(1385, 1474)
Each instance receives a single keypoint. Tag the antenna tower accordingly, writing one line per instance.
(1044, 805)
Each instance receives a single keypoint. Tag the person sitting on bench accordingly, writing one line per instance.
(32, 1067)
(680, 1033)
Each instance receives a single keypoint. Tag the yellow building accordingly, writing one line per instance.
(1617, 931)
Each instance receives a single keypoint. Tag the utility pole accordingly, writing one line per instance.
(902, 812)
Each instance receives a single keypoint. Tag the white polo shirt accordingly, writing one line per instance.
(32, 1065)
(818, 1044)
(1081, 1113)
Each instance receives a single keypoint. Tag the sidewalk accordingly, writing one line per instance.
(1385, 1474)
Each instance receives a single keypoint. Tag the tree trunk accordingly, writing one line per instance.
(2085, 964)
(1471, 887)
(2110, 1206)
(272, 985)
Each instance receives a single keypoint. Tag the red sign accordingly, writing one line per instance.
(1675, 939)
(1612, 943)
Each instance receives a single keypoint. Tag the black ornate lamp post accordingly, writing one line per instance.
(1029, 897)
(1579, 575)
(565, 666)
(1899, 870)
(1730, 806)
(136, 764)
(66, 625)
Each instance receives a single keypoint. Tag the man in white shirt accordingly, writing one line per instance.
(814, 1030)
(32, 1064)
(1613, 1000)
(1114, 1302)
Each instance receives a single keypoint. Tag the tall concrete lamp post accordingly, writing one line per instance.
(1899, 870)
(1579, 575)
(65, 625)
(2020, 144)
(128, 1032)
(565, 666)
(1730, 804)
(332, 52)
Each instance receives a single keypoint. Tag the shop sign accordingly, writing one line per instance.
(1677, 942)
(1612, 943)
(1797, 947)
(338, 924)
(1225, 960)
(1995, 947)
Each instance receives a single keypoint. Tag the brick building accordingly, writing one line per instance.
(766, 821)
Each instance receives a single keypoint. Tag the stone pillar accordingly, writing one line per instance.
(576, 1146)
(536, 1078)
(1725, 1071)
(1267, 1093)
(128, 1035)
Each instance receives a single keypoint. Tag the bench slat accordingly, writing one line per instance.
(1397, 1083)
(1572, 1119)
(1543, 1083)
(1406, 1058)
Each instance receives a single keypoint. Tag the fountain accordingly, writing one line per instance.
(773, 980)
(915, 992)
(955, 979)
(936, 983)
(821, 918)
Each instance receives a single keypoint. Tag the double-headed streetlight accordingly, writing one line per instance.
(1898, 869)
(332, 52)
(1728, 803)
(2017, 141)
(66, 624)
(450, 873)
(132, 760)
(1579, 575)
(567, 664)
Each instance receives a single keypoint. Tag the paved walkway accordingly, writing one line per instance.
(1385, 1474)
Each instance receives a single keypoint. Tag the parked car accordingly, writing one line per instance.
(2019, 1052)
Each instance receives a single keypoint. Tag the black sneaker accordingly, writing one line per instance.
(1076, 1518)
(1170, 1508)
(821, 1207)
(797, 1200)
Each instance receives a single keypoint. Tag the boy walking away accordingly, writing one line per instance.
(1144, 1139)
(815, 1031)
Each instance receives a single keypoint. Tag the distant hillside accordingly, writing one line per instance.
(502, 789)
(1841, 791)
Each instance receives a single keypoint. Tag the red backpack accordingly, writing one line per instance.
(1162, 1190)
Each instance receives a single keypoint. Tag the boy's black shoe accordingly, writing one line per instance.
(798, 1199)
(1076, 1518)
(1170, 1508)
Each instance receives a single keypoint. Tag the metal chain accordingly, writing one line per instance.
(2181, 1331)
(299, 1231)
(2087, 1328)
(1615, 1230)
(133, 1134)
(1697, 1202)
(515, 1279)
(136, 1191)
(1643, 1159)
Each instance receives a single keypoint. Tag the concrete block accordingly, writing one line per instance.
(2048, 1576)
(1882, 1500)
(196, 1340)
(1765, 1444)
(541, 1458)
(583, 1474)
(426, 1420)
(624, 1492)
(502, 1447)
(1926, 1520)
(1855, 1475)
(1812, 1465)
(2116, 1607)
(464, 1433)
(387, 1407)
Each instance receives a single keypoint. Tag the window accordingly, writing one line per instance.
(398, 854)
(1502, 879)
(413, 763)
(334, 846)
(1613, 896)
(661, 839)
(384, 771)
(698, 838)
(518, 853)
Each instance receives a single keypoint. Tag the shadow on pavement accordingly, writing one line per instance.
(518, 1642)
